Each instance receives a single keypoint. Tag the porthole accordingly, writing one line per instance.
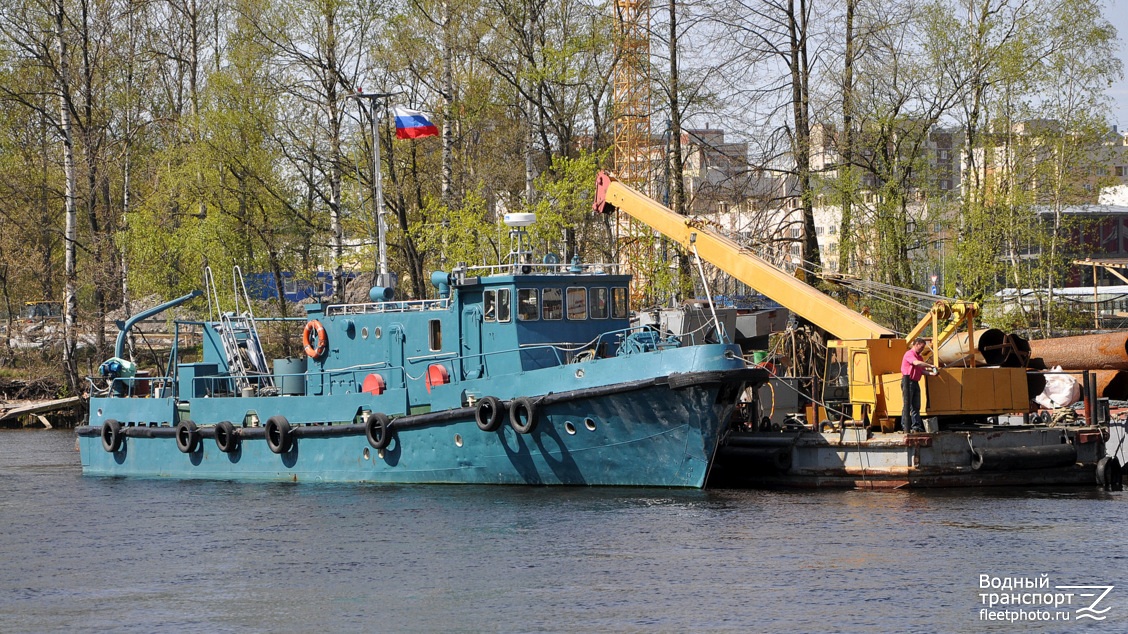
(570, 428)
(590, 424)
(367, 455)
(364, 332)
(376, 332)
(458, 440)
(580, 373)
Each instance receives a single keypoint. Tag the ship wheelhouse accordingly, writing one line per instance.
(543, 319)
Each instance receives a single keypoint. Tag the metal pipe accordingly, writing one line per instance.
(1090, 396)
(119, 347)
(1111, 384)
(1085, 352)
(1087, 394)
(1018, 351)
(989, 348)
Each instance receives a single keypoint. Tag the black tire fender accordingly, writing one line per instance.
(1109, 473)
(112, 437)
(523, 415)
(225, 437)
(279, 435)
(187, 436)
(378, 430)
(489, 413)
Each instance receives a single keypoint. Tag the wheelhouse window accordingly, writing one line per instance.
(504, 311)
(597, 303)
(577, 303)
(489, 306)
(552, 303)
(619, 307)
(528, 308)
(435, 335)
(496, 305)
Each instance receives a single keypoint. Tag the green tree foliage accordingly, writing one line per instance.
(566, 223)
(1033, 110)
(468, 235)
(224, 132)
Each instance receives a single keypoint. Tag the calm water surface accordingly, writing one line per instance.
(103, 554)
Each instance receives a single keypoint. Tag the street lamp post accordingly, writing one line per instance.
(377, 186)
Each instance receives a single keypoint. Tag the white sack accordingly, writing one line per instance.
(1062, 390)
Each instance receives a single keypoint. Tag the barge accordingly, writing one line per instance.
(974, 457)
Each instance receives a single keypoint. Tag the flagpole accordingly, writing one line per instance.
(377, 187)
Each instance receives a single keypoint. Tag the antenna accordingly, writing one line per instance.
(517, 223)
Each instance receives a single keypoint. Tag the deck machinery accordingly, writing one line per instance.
(870, 352)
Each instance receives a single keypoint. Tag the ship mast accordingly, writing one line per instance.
(377, 187)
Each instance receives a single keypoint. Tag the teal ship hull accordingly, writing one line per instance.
(637, 433)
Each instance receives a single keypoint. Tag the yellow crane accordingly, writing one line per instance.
(870, 352)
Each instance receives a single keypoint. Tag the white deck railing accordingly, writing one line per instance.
(415, 305)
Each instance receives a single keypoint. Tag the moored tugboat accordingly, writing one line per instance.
(519, 373)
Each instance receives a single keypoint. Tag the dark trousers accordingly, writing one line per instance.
(910, 413)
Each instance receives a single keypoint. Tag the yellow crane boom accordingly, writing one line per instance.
(872, 353)
(799, 297)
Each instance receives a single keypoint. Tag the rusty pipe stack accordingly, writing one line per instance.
(1106, 354)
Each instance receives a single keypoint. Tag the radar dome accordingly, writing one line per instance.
(520, 219)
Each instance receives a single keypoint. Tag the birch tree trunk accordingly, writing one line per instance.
(70, 293)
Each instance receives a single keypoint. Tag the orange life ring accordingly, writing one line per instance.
(318, 331)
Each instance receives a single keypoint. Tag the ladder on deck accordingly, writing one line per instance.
(238, 333)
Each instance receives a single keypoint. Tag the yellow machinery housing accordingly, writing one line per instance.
(874, 374)
(871, 352)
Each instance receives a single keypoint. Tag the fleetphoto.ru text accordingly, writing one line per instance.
(1025, 599)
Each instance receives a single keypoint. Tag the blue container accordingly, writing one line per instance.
(289, 375)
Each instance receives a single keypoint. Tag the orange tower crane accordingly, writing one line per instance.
(632, 93)
(635, 152)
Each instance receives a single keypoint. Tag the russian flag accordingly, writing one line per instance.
(412, 124)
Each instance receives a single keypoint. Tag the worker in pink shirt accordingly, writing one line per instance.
(913, 367)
